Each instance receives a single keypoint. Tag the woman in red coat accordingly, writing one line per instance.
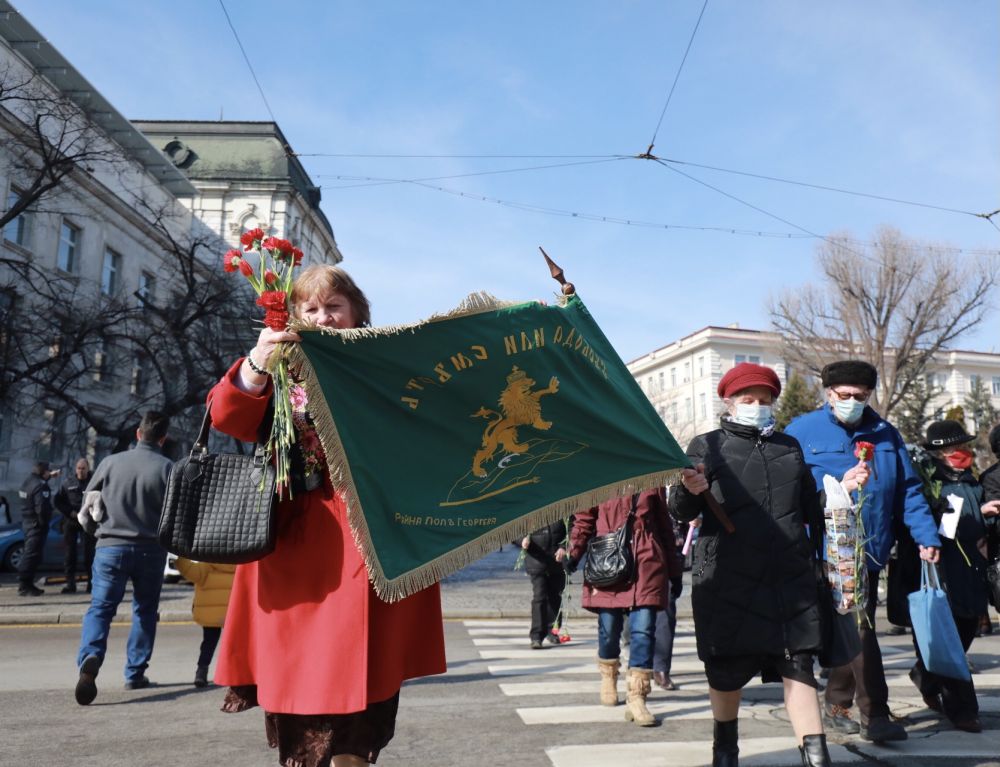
(641, 597)
(306, 638)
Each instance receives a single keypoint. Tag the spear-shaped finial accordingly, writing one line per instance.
(568, 288)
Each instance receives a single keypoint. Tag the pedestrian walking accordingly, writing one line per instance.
(544, 554)
(754, 590)
(306, 636)
(213, 584)
(892, 497)
(132, 485)
(666, 619)
(963, 562)
(67, 501)
(36, 513)
(639, 597)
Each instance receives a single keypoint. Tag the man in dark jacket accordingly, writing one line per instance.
(544, 554)
(36, 513)
(67, 502)
(990, 478)
(892, 496)
(132, 485)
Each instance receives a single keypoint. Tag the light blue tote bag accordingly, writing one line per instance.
(934, 627)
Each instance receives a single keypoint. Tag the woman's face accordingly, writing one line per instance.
(328, 309)
(755, 395)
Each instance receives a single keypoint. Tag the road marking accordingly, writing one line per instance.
(754, 752)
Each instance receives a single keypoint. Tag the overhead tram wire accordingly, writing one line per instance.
(680, 69)
(247, 60)
(344, 155)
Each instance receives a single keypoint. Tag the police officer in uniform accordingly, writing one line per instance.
(36, 513)
(67, 502)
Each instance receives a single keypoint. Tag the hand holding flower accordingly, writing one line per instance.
(855, 477)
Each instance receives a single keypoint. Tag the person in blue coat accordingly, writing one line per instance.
(891, 491)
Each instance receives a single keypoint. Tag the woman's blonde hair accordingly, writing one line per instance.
(321, 278)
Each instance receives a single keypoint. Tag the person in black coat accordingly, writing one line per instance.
(754, 591)
(67, 501)
(990, 478)
(544, 554)
(36, 513)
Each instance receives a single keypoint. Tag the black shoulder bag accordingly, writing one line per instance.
(219, 507)
(610, 561)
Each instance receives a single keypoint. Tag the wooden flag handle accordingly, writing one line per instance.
(720, 513)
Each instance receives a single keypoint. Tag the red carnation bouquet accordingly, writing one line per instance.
(272, 278)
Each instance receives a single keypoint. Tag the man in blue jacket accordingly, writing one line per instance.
(891, 494)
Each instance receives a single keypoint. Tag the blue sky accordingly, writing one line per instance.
(898, 99)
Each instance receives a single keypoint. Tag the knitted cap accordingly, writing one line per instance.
(850, 372)
(745, 375)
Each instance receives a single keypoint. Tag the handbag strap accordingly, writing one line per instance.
(201, 444)
(929, 577)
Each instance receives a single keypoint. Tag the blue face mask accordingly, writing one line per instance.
(754, 415)
(848, 411)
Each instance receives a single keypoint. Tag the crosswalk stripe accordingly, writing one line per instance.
(773, 752)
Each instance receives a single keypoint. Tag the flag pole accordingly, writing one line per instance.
(569, 289)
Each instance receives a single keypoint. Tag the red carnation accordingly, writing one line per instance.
(231, 261)
(246, 268)
(272, 300)
(247, 238)
(270, 243)
(864, 451)
(270, 277)
(296, 256)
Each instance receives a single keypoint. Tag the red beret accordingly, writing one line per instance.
(747, 374)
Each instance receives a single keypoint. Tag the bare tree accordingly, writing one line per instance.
(50, 138)
(66, 344)
(895, 303)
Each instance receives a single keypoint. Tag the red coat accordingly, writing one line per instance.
(304, 624)
(650, 530)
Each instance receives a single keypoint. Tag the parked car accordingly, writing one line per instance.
(12, 546)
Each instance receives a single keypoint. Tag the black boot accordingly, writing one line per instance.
(813, 750)
(725, 744)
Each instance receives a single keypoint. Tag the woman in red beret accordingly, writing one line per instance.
(754, 590)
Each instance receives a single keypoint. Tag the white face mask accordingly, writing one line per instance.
(754, 414)
(848, 411)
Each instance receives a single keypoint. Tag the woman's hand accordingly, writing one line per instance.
(267, 343)
(930, 554)
(991, 508)
(525, 543)
(560, 554)
(694, 480)
(855, 477)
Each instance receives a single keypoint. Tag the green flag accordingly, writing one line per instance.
(453, 436)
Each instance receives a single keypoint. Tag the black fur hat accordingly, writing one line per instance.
(850, 372)
(944, 434)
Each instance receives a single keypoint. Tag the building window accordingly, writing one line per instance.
(649, 385)
(661, 380)
(49, 446)
(138, 386)
(662, 412)
(703, 405)
(996, 386)
(687, 372)
(69, 237)
(147, 289)
(688, 410)
(701, 367)
(754, 358)
(111, 272)
(673, 377)
(974, 381)
(673, 412)
(102, 361)
(5, 430)
(16, 228)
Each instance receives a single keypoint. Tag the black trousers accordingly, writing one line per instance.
(209, 640)
(958, 697)
(864, 677)
(72, 533)
(34, 546)
(547, 583)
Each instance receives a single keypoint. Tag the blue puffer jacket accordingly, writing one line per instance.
(893, 488)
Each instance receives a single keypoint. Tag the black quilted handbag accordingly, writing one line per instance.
(610, 561)
(219, 507)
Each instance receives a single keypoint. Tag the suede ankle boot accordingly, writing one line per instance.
(814, 751)
(725, 744)
(635, 700)
(609, 681)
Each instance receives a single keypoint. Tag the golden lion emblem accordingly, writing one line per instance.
(521, 407)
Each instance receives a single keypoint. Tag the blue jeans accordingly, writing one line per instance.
(641, 624)
(114, 566)
(666, 628)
